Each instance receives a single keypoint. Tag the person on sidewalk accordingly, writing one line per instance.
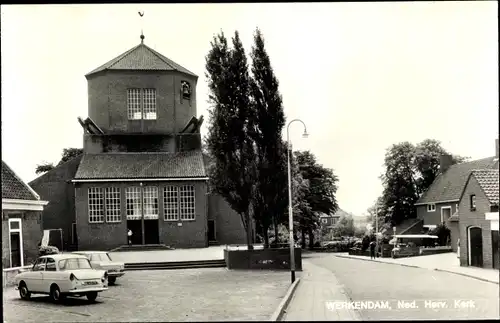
(129, 237)
(372, 249)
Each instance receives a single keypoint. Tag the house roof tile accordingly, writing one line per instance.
(142, 58)
(449, 185)
(488, 181)
(15, 188)
(141, 165)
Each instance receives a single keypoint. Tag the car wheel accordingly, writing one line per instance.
(92, 296)
(55, 293)
(111, 280)
(24, 293)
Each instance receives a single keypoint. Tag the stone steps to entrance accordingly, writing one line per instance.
(176, 265)
(141, 247)
(213, 243)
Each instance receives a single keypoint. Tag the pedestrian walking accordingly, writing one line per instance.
(129, 237)
(372, 250)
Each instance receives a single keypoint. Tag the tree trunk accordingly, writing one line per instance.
(311, 239)
(303, 242)
(266, 236)
(276, 233)
(247, 224)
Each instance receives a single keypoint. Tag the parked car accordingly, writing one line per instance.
(62, 275)
(102, 260)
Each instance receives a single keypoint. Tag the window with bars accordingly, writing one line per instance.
(141, 104)
(134, 104)
(149, 104)
(133, 196)
(171, 203)
(150, 202)
(96, 205)
(187, 209)
(113, 210)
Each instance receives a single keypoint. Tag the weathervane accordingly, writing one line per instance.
(142, 34)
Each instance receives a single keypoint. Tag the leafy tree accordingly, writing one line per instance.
(410, 170)
(271, 166)
(321, 193)
(228, 141)
(427, 157)
(344, 227)
(67, 155)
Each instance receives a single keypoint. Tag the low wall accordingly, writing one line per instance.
(435, 251)
(271, 259)
(10, 273)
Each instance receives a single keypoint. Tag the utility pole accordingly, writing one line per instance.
(376, 229)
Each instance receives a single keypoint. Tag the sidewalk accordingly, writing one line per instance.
(317, 287)
(444, 262)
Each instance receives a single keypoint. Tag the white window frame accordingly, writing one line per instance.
(141, 104)
(149, 104)
(134, 104)
(431, 207)
(133, 193)
(171, 203)
(113, 197)
(95, 199)
(20, 231)
(445, 208)
(472, 201)
(150, 202)
(187, 203)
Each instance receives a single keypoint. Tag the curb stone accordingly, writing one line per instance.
(278, 314)
(436, 269)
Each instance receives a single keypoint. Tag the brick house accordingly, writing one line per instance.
(142, 168)
(21, 220)
(440, 203)
(328, 220)
(478, 224)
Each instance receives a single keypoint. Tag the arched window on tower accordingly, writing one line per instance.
(186, 90)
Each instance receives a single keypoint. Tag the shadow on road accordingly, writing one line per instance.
(68, 301)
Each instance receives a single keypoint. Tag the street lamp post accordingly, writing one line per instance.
(376, 229)
(290, 207)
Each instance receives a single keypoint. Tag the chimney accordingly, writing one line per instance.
(496, 147)
(445, 161)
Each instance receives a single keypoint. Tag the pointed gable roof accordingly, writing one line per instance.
(488, 182)
(141, 58)
(14, 188)
(450, 185)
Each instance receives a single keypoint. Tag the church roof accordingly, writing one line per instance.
(187, 164)
(142, 58)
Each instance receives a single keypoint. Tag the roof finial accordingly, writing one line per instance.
(142, 34)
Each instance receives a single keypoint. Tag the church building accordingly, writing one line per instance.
(142, 169)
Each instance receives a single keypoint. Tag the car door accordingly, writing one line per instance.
(49, 275)
(36, 277)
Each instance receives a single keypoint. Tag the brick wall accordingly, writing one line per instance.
(105, 236)
(54, 187)
(470, 218)
(434, 217)
(31, 234)
(228, 226)
(107, 95)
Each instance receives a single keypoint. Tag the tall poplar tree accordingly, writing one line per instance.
(270, 190)
(230, 120)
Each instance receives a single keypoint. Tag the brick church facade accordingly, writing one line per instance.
(142, 169)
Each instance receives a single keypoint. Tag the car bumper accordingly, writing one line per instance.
(116, 274)
(86, 290)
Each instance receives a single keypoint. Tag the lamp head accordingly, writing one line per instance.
(305, 134)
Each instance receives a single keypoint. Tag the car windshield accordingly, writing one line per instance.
(74, 263)
(102, 257)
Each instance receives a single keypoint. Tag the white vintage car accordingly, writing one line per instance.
(102, 260)
(62, 275)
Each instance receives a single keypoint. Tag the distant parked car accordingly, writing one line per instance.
(62, 275)
(102, 260)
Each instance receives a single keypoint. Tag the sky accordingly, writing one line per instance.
(362, 76)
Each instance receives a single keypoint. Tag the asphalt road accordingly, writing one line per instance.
(212, 294)
(408, 289)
